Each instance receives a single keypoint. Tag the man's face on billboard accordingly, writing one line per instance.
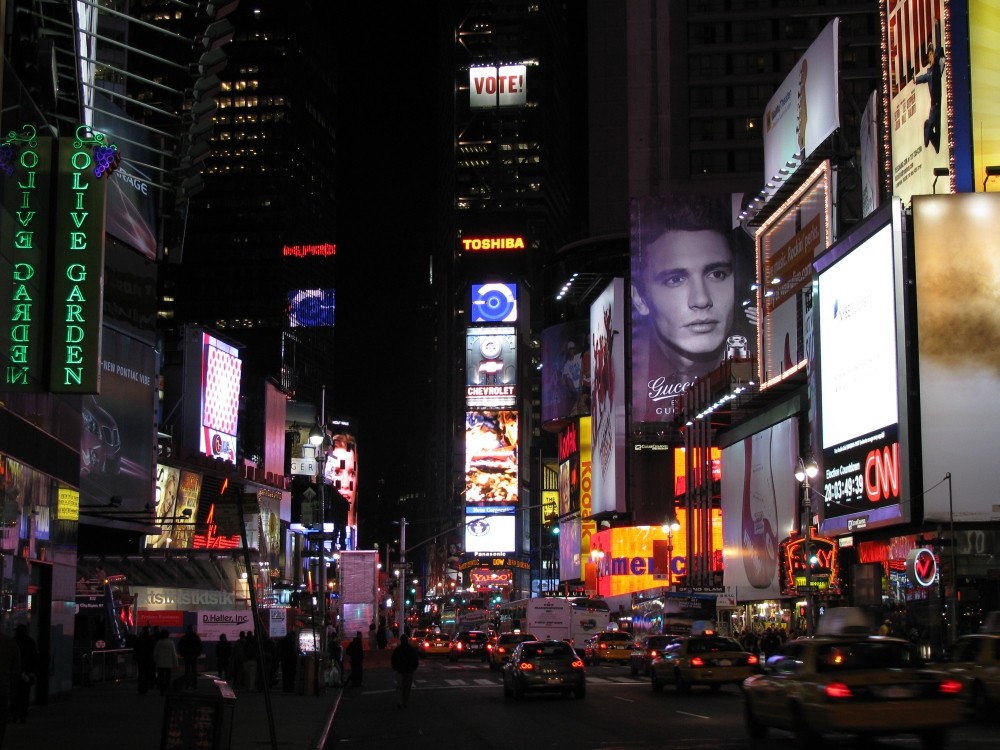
(687, 291)
(344, 476)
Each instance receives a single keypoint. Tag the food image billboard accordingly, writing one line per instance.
(919, 89)
(491, 472)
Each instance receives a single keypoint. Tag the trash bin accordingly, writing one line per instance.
(199, 720)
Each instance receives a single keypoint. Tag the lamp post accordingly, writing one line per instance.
(317, 436)
(670, 526)
(953, 622)
(804, 472)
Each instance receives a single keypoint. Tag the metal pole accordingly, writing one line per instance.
(322, 518)
(670, 560)
(402, 575)
(953, 622)
(807, 504)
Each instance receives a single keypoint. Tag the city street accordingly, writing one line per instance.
(455, 705)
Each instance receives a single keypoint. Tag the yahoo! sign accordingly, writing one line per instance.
(502, 86)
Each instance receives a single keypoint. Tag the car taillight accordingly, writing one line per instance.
(697, 662)
(501, 650)
(525, 666)
(652, 654)
(603, 645)
(838, 690)
(458, 646)
(577, 664)
(950, 687)
(752, 660)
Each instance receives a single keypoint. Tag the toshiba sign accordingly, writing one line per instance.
(492, 244)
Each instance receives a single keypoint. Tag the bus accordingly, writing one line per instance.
(574, 619)
(672, 614)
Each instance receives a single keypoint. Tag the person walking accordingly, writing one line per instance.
(288, 651)
(10, 670)
(190, 648)
(239, 660)
(223, 656)
(251, 661)
(165, 658)
(21, 697)
(404, 661)
(356, 655)
(144, 664)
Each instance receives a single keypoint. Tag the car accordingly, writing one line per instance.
(610, 645)
(856, 684)
(499, 648)
(469, 644)
(975, 660)
(435, 644)
(544, 666)
(645, 649)
(706, 659)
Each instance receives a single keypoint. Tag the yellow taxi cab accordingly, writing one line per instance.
(499, 648)
(975, 660)
(609, 646)
(851, 683)
(435, 644)
(705, 658)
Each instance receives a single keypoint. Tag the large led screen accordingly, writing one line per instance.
(861, 374)
(692, 308)
(919, 91)
(956, 246)
(565, 371)
(491, 458)
(759, 495)
(494, 303)
(491, 367)
(220, 398)
(489, 532)
(311, 308)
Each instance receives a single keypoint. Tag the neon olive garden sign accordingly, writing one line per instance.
(54, 242)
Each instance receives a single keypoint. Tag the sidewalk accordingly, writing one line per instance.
(114, 715)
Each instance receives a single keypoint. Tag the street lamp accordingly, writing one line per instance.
(670, 526)
(804, 472)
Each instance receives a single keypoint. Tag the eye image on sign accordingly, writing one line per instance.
(494, 303)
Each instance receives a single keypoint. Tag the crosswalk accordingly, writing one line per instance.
(466, 682)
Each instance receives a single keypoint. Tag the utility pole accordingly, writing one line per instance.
(402, 575)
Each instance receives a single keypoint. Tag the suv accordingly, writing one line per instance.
(470, 644)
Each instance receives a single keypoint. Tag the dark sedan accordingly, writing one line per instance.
(544, 666)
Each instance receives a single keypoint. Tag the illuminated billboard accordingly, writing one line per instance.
(569, 469)
(491, 367)
(787, 244)
(490, 531)
(211, 387)
(919, 89)
(861, 371)
(607, 398)
(565, 371)
(493, 303)
(691, 275)
(984, 29)
(759, 502)
(311, 308)
(492, 86)
(491, 475)
(956, 246)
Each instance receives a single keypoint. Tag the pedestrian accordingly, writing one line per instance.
(145, 667)
(165, 658)
(381, 638)
(190, 648)
(223, 657)
(405, 661)
(886, 627)
(337, 657)
(356, 655)
(288, 651)
(239, 659)
(21, 697)
(372, 637)
(10, 670)
(251, 661)
(769, 642)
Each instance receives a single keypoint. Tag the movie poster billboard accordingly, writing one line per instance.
(118, 438)
(861, 373)
(491, 471)
(607, 399)
(565, 371)
(491, 367)
(569, 469)
(919, 86)
(787, 244)
(692, 297)
(759, 502)
(956, 247)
